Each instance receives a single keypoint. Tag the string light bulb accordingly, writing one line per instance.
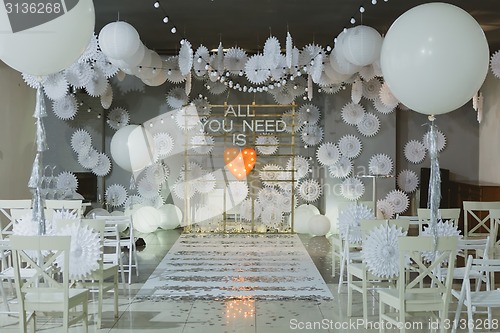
(173, 30)
(156, 4)
(165, 19)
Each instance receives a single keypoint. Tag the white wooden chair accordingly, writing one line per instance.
(411, 295)
(449, 214)
(70, 205)
(43, 292)
(477, 218)
(105, 278)
(365, 280)
(495, 239)
(6, 220)
(489, 298)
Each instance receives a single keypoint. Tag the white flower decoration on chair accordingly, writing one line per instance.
(399, 200)
(342, 168)
(414, 151)
(352, 188)
(380, 164)
(81, 141)
(349, 221)
(312, 135)
(65, 108)
(85, 251)
(328, 153)
(440, 140)
(371, 89)
(301, 166)
(310, 190)
(267, 144)
(369, 125)
(118, 118)
(380, 251)
(353, 113)
(407, 181)
(308, 114)
(444, 229)
(350, 146)
(164, 144)
(385, 208)
(116, 195)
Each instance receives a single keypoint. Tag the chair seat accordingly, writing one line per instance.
(360, 271)
(8, 273)
(44, 295)
(414, 302)
(485, 298)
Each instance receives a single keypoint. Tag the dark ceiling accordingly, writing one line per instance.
(247, 24)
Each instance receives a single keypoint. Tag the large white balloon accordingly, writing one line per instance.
(146, 219)
(42, 44)
(132, 148)
(171, 216)
(302, 215)
(319, 225)
(434, 58)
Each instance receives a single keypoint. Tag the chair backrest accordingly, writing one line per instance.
(480, 247)
(450, 214)
(486, 266)
(368, 225)
(71, 205)
(51, 249)
(412, 248)
(477, 218)
(6, 220)
(494, 223)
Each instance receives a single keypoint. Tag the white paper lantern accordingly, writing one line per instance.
(362, 45)
(132, 148)
(119, 40)
(319, 225)
(42, 48)
(171, 216)
(154, 66)
(146, 219)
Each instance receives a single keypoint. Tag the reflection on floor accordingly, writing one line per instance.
(219, 316)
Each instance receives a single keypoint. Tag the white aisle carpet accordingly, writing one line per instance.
(216, 266)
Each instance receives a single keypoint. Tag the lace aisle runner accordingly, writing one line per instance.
(213, 266)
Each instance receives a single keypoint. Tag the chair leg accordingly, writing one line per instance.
(130, 264)
(4, 296)
(365, 299)
(381, 312)
(115, 291)
(85, 310)
(99, 303)
(349, 294)
(66, 320)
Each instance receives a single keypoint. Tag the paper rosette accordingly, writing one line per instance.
(380, 251)
(443, 229)
(85, 251)
(349, 221)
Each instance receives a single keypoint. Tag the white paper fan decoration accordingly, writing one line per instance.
(201, 61)
(310, 190)
(97, 84)
(148, 188)
(157, 173)
(91, 50)
(380, 164)
(107, 98)
(187, 117)
(291, 121)
(308, 114)
(386, 96)
(312, 135)
(350, 146)
(216, 88)
(328, 153)
(79, 74)
(81, 141)
(301, 166)
(342, 168)
(267, 144)
(85, 250)
(185, 57)
(357, 91)
(202, 107)
(117, 118)
(443, 229)
(103, 166)
(89, 159)
(272, 216)
(202, 144)
(381, 251)
(116, 195)
(271, 174)
(349, 221)
(367, 72)
(272, 51)
(65, 214)
(381, 107)
(184, 190)
(256, 69)
(164, 144)
(206, 183)
(332, 89)
(235, 60)
(311, 58)
(385, 208)
(414, 151)
(440, 140)
(174, 74)
(495, 64)
(105, 66)
(353, 113)
(66, 107)
(267, 196)
(352, 188)
(55, 86)
(399, 200)
(67, 180)
(246, 211)
(369, 125)
(177, 98)
(236, 192)
(407, 181)
(371, 89)
(286, 201)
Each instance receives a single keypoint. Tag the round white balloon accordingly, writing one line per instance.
(302, 214)
(119, 40)
(362, 45)
(42, 44)
(434, 58)
(146, 219)
(319, 225)
(132, 148)
(171, 216)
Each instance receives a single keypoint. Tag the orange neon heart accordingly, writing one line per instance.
(240, 163)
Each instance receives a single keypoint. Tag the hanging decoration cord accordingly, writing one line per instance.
(434, 181)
